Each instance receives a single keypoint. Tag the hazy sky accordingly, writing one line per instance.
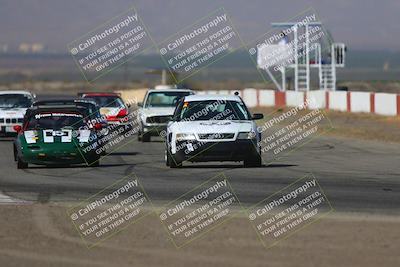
(361, 24)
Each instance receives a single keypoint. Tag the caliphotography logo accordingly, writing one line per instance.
(199, 133)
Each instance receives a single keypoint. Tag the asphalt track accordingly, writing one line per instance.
(356, 175)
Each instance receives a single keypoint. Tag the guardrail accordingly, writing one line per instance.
(365, 102)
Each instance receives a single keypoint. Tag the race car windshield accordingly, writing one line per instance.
(164, 99)
(91, 110)
(108, 101)
(213, 110)
(15, 101)
(55, 121)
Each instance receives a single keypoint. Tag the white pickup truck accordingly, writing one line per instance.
(157, 109)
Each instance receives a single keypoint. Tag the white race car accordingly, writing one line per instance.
(157, 109)
(213, 128)
(13, 105)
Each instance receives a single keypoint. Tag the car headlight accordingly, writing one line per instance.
(247, 135)
(185, 136)
(142, 117)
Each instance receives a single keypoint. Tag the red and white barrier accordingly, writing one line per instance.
(266, 98)
(386, 104)
(250, 97)
(337, 101)
(232, 92)
(367, 102)
(294, 99)
(223, 92)
(316, 99)
(360, 102)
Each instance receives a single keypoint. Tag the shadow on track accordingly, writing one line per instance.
(108, 165)
(124, 154)
(216, 166)
(7, 139)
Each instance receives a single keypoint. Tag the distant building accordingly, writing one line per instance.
(31, 48)
(37, 48)
(24, 48)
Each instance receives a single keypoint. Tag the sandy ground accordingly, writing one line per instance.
(355, 125)
(41, 235)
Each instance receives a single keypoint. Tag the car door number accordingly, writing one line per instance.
(66, 136)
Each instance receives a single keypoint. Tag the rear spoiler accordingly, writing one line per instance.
(56, 107)
(81, 94)
(44, 103)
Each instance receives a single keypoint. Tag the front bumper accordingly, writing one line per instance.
(153, 129)
(57, 156)
(196, 151)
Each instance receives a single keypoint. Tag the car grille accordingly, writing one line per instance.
(158, 119)
(9, 120)
(216, 136)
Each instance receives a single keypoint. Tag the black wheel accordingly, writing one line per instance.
(172, 161)
(21, 164)
(139, 136)
(145, 137)
(96, 163)
(15, 154)
(166, 158)
(253, 162)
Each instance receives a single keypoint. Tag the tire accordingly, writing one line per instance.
(21, 164)
(139, 136)
(146, 138)
(15, 154)
(256, 161)
(166, 157)
(96, 163)
(172, 162)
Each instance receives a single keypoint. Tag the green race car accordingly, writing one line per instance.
(56, 136)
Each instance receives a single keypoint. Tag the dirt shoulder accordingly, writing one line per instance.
(42, 235)
(354, 125)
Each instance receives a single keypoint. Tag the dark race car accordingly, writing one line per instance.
(92, 110)
(112, 107)
(56, 135)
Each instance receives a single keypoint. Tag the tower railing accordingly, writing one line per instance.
(326, 63)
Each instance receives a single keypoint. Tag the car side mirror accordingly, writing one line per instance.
(257, 116)
(140, 104)
(17, 128)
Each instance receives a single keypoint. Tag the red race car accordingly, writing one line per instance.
(112, 107)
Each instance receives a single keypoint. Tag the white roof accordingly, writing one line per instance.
(165, 86)
(169, 90)
(212, 97)
(17, 92)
